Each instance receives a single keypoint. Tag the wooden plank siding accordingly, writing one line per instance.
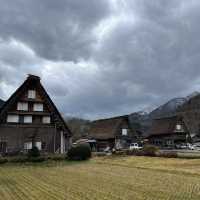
(15, 134)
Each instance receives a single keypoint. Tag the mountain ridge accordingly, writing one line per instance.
(143, 121)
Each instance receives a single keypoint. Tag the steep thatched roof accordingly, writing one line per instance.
(190, 111)
(33, 80)
(166, 126)
(106, 128)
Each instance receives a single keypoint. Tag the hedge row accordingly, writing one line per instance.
(80, 152)
(153, 151)
(21, 159)
(147, 150)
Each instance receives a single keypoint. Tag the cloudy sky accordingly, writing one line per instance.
(102, 58)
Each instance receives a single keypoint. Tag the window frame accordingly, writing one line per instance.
(26, 145)
(31, 94)
(38, 144)
(178, 127)
(124, 131)
(38, 110)
(45, 117)
(26, 117)
(12, 121)
(22, 106)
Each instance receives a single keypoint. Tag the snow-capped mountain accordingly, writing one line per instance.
(143, 119)
(168, 108)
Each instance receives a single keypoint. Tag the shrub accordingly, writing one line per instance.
(23, 159)
(80, 152)
(34, 152)
(135, 152)
(56, 157)
(3, 160)
(36, 159)
(149, 150)
(18, 159)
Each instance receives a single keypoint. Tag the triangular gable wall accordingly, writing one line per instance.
(57, 118)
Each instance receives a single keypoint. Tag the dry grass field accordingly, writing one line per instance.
(122, 178)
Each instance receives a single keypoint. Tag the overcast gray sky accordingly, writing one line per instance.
(101, 58)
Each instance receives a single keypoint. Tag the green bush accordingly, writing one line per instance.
(135, 152)
(34, 152)
(18, 159)
(56, 157)
(149, 150)
(3, 160)
(23, 159)
(80, 152)
(36, 159)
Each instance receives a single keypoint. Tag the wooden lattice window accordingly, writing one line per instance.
(31, 94)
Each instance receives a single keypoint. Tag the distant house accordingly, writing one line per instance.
(190, 111)
(169, 131)
(113, 132)
(29, 117)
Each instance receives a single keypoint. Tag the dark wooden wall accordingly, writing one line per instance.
(16, 137)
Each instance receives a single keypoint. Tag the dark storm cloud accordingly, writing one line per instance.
(16, 61)
(60, 30)
(102, 58)
(159, 51)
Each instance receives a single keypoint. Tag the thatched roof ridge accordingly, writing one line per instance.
(106, 128)
(165, 126)
(35, 80)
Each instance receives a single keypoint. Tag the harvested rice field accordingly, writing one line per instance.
(118, 178)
